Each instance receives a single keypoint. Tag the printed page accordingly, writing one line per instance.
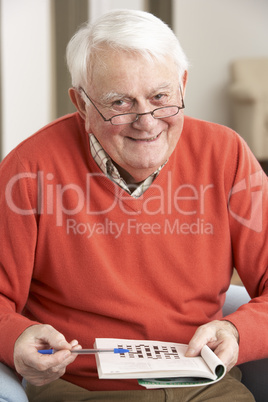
(148, 359)
(212, 360)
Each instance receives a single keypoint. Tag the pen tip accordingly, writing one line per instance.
(120, 350)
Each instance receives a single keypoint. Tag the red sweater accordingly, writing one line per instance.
(79, 253)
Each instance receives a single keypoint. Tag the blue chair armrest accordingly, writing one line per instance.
(11, 389)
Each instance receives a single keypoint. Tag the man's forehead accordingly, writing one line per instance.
(108, 65)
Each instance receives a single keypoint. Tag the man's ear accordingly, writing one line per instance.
(184, 81)
(78, 102)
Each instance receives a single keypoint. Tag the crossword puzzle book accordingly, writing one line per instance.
(157, 364)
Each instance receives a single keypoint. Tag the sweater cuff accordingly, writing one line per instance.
(9, 334)
(252, 342)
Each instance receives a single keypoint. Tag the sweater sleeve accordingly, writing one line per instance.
(18, 234)
(248, 214)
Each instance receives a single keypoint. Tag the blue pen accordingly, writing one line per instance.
(86, 351)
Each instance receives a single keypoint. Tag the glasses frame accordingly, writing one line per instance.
(137, 114)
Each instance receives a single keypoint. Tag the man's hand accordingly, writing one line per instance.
(221, 336)
(41, 369)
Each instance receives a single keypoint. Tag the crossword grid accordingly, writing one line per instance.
(150, 352)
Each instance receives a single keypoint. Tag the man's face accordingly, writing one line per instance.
(124, 82)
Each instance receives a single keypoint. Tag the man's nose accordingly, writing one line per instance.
(145, 121)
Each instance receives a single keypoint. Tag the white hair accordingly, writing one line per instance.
(128, 30)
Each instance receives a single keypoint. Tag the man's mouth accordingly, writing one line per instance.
(146, 139)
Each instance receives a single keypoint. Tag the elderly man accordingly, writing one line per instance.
(125, 220)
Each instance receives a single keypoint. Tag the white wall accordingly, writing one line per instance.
(26, 69)
(213, 33)
(99, 7)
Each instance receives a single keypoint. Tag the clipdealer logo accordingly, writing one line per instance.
(186, 200)
(69, 199)
(254, 184)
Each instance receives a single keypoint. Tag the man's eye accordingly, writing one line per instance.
(160, 97)
(121, 105)
(118, 103)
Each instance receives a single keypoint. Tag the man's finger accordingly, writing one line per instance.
(203, 335)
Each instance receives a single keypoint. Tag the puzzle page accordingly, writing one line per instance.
(147, 359)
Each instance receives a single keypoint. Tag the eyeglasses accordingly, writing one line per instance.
(128, 118)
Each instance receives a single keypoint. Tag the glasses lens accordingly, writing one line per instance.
(167, 111)
(124, 118)
(159, 113)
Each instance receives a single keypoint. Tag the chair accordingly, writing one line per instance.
(254, 373)
(11, 389)
(249, 94)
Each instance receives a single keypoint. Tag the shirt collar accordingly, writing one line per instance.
(107, 166)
